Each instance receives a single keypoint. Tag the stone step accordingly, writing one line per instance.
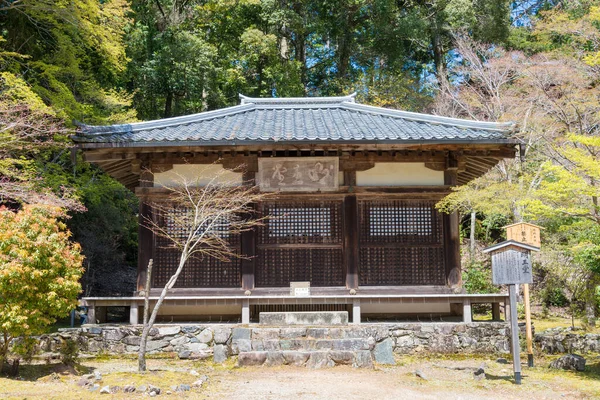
(307, 344)
(310, 359)
(314, 318)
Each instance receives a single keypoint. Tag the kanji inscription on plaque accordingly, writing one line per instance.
(301, 174)
(511, 266)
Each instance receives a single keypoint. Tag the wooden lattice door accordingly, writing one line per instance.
(199, 271)
(401, 243)
(300, 241)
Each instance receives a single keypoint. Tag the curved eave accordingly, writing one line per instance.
(242, 143)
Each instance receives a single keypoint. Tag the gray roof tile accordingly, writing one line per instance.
(334, 119)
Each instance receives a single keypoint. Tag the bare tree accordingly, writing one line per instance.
(197, 218)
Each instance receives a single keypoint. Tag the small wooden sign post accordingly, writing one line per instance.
(527, 233)
(511, 265)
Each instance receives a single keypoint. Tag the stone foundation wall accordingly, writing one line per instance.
(566, 340)
(290, 345)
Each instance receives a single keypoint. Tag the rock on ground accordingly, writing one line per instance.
(571, 362)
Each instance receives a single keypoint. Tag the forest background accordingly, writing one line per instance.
(534, 62)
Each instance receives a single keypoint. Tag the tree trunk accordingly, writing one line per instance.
(168, 105)
(472, 236)
(161, 299)
(590, 302)
(145, 332)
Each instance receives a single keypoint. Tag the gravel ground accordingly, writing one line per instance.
(442, 378)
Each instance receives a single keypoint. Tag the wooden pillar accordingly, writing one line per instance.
(145, 236)
(356, 311)
(467, 311)
(451, 231)
(91, 314)
(245, 311)
(496, 311)
(133, 313)
(351, 241)
(248, 263)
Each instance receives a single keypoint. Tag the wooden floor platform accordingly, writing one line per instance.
(380, 296)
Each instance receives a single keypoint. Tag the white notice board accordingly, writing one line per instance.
(511, 267)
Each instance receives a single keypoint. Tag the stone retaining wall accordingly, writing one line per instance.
(566, 340)
(356, 345)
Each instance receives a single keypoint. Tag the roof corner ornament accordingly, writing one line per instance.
(244, 99)
(352, 97)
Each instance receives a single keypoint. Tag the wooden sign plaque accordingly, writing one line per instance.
(298, 174)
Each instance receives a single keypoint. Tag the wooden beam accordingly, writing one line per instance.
(240, 162)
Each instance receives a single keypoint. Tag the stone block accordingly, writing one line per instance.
(116, 348)
(274, 358)
(351, 344)
(181, 340)
(222, 335)
(195, 347)
(113, 334)
(271, 345)
(202, 355)
(324, 344)
(154, 345)
(304, 318)
(295, 358)
(94, 330)
(319, 359)
(292, 344)
(132, 340)
(253, 358)
(190, 329)
(241, 333)
(362, 359)
(383, 352)
(241, 346)
(169, 330)
(292, 333)
(206, 336)
(95, 346)
(265, 333)
(342, 357)
(132, 349)
(257, 345)
(317, 333)
(220, 353)
(356, 333)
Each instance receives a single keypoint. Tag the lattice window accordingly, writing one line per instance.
(301, 241)
(180, 221)
(399, 221)
(199, 271)
(301, 222)
(401, 243)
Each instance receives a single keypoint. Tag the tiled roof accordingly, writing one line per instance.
(289, 120)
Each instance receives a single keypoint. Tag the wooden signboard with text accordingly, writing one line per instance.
(524, 232)
(298, 174)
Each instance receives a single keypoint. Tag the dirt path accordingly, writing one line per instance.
(445, 379)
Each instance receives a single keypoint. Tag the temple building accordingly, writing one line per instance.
(354, 194)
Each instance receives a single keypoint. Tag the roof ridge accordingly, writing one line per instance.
(297, 100)
(433, 119)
